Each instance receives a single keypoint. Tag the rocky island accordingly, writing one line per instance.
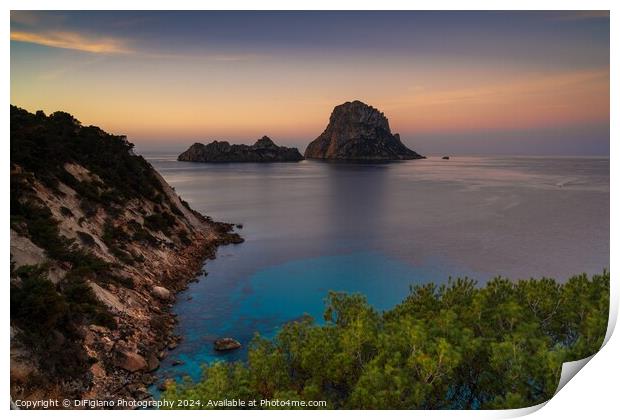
(100, 244)
(264, 150)
(358, 132)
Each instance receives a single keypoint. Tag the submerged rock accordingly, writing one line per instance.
(264, 150)
(357, 131)
(174, 342)
(226, 344)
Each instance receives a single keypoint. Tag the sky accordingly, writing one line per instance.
(525, 83)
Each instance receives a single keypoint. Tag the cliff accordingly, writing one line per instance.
(358, 132)
(100, 243)
(264, 150)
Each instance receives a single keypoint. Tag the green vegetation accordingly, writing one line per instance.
(47, 316)
(50, 317)
(44, 144)
(142, 235)
(161, 221)
(41, 146)
(29, 217)
(452, 346)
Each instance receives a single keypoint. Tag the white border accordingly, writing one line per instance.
(592, 394)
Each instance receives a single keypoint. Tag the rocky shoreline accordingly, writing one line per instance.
(136, 374)
(100, 246)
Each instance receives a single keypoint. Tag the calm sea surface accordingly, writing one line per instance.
(312, 226)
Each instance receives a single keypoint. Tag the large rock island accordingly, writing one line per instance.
(358, 132)
(264, 150)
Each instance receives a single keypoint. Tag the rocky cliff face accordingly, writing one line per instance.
(357, 131)
(100, 243)
(264, 150)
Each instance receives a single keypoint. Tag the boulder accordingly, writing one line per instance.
(98, 370)
(226, 344)
(358, 132)
(152, 362)
(130, 361)
(162, 293)
(108, 298)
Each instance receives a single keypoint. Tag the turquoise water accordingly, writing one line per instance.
(277, 294)
(376, 229)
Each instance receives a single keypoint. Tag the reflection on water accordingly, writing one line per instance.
(376, 229)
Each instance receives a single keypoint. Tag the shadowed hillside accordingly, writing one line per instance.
(99, 244)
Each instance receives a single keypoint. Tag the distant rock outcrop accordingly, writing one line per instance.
(264, 150)
(357, 131)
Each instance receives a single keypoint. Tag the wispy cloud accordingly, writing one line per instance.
(73, 41)
(106, 45)
(52, 30)
(541, 86)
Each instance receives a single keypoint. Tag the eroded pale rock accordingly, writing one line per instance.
(162, 293)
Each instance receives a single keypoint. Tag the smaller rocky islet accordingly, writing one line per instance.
(263, 150)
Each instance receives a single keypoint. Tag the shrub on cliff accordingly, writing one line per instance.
(47, 315)
(162, 221)
(51, 319)
(452, 346)
(39, 306)
(36, 305)
(43, 145)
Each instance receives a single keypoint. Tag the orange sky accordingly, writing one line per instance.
(159, 93)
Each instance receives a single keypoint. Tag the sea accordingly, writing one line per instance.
(376, 229)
